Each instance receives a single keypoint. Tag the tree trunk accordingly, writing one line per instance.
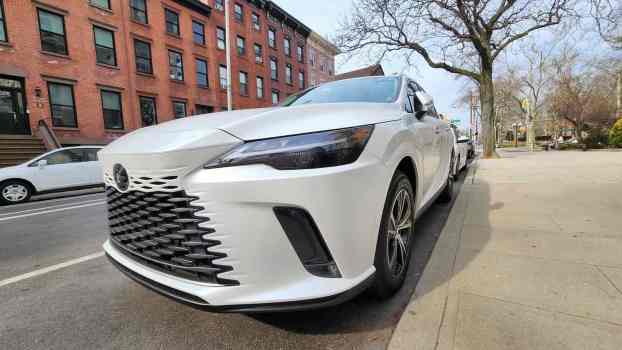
(487, 102)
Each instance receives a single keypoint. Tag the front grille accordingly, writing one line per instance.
(162, 231)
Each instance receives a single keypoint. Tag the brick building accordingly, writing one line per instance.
(96, 69)
(321, 62)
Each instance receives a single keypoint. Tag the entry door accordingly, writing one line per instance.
(13, 120)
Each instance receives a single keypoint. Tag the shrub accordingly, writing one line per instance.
(597, 139)
(615, 134)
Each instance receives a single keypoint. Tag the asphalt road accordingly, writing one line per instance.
(90, 305)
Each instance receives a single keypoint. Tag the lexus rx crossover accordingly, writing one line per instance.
(298, 206)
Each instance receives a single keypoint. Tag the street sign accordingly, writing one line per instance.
(456, 121)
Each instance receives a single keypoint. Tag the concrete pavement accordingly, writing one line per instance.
(530, 258)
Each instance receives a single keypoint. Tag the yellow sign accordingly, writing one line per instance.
(525, 104)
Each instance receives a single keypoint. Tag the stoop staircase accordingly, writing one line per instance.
(16, 149)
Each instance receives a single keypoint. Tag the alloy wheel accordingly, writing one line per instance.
(15, 193)
(399, 232)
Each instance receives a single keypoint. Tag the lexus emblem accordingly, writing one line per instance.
(121, 178)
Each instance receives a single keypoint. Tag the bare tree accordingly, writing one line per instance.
(463, 37)
(583, 95)
(533, 81)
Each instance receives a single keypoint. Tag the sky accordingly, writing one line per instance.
(323, 16)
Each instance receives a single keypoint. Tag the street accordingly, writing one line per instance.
(58, 291)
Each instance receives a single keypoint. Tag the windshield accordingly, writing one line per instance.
(374, 90)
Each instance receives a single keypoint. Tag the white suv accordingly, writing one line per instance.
(299, 206)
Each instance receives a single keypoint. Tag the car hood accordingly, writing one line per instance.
(183, 142)
(10, 171)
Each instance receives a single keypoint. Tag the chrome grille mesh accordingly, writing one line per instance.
(161, 230)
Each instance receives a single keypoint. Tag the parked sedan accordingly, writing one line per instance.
(299, 206)
(58, 170)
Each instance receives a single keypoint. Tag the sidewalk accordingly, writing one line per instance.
(530, 258)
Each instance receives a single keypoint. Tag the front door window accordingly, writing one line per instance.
(13, 119)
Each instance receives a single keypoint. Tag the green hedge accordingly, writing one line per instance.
(615, 134)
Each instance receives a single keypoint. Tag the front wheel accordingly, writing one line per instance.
(395, 238)
(13, 192)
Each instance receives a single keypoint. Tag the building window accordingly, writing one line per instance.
(221, 38)
(138, 8)
(105, 4)
(258, 54)
(176, 65)
(198, 33)
(288, 74)
(256, 21)
(3, 35)
(259, 87)
(179, 109)
(312, 58)
(172, 22)
(241, 45)
(62, 105)
(300, 56)
(142, 50)
(243, 83)
(202, 79)
(148, 110)
(238, 12)
(271, 18)
(222, 76)
(52, 29)
(275, 97)
(219, 5)
(301, 80)
(287, 47)
(274, 69)
(104, 46)
(272, 38)
(113, 112)
(202, 109)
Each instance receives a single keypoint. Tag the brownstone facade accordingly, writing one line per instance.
(321, 62)
(96, 69)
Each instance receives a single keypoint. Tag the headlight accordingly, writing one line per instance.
(307, 151)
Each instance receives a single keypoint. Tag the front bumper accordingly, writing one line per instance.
(345, 202)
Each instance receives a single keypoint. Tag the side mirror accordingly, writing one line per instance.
(427, 102)
(42, 163)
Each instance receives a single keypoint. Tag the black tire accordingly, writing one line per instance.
(448, 190)
(389, 276)
(7, 197)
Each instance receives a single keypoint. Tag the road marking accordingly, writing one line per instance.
(51, 211)
(50, 207)
(60, 196)
(50, 269)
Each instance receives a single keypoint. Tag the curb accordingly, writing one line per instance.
(420, 325)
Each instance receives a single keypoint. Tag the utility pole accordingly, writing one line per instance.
(228, 53)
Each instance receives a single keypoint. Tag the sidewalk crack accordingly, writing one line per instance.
(608, 279)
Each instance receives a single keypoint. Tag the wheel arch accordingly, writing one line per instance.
(26, 182)
(408, 167)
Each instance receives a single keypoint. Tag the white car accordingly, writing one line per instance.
(299, 206)
(62, 169)
(461, 151)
